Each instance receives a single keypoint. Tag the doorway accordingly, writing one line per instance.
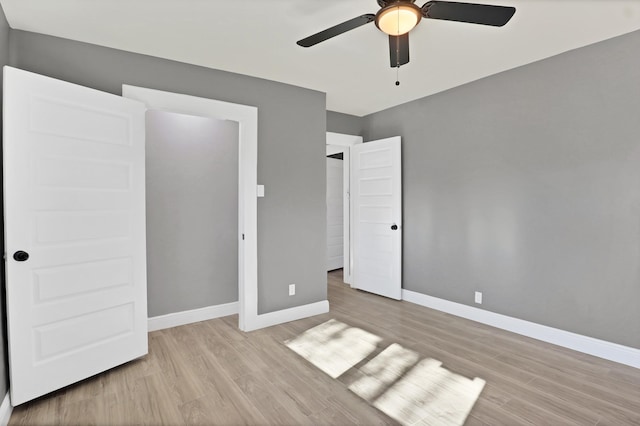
(339, 145)
(336, 225)
(247, 119)
(192, 212)
(372, 221)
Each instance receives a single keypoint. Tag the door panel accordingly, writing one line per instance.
(74, 200)
(376, 196)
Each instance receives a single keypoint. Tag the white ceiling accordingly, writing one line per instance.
(257, 38)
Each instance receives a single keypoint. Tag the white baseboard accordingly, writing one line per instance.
(255, 323)
(286, 315)
(5, 410)
(196, 315)
(589, 345)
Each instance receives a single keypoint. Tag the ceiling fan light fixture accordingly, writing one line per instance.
(398, 18)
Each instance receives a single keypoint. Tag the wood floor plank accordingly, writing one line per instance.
(491, 414)
(271, 402)
(212, 373)
(600, 407)
(585, 385)
(534, 414)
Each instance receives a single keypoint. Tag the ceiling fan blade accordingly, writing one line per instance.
(484, 14)
(399, 50)
(336, 30)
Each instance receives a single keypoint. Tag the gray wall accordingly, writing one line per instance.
(338, 122)
(291, 124)
(192, 212)
(4, 370)
(526, 186)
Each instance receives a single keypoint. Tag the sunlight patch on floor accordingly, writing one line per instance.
(334, 347)
(396, 381)
(377, 375)
(424, 394)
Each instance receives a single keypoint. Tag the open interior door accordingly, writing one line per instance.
(74, 198)
(376, 197)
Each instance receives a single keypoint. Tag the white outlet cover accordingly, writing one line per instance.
(292, 289)
(478, 297)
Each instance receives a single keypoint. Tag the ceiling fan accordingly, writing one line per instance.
(397, 17)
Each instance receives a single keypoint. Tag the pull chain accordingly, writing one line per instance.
(398, 51)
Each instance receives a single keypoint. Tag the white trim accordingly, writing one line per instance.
(338, 142)
(347, 255)
(195, 315)
(291, 314)
(247, 118)
(5, 410)
(216, 311)
(347, 232)
(588, 345)
(342, 139)
(334, 149)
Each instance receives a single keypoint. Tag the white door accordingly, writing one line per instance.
(376, 196)
(74, 202)
(335, 220)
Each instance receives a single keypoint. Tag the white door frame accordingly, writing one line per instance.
(331, 150)
(336, 143)
(247, 119)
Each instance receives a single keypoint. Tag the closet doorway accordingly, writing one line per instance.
(246, 118)
(192, 212)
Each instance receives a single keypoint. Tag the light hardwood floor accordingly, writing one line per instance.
(211, 373)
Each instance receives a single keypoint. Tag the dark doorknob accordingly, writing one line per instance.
(20, 256)
(394, 227)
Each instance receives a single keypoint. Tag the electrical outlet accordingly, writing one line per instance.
(292, 289)
(479, 297)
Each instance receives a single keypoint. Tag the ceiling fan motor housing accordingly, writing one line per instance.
(398, 17)
(385, 3)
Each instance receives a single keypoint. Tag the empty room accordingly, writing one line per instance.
(320, 213)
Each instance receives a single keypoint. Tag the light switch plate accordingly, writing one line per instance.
(260, 190)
